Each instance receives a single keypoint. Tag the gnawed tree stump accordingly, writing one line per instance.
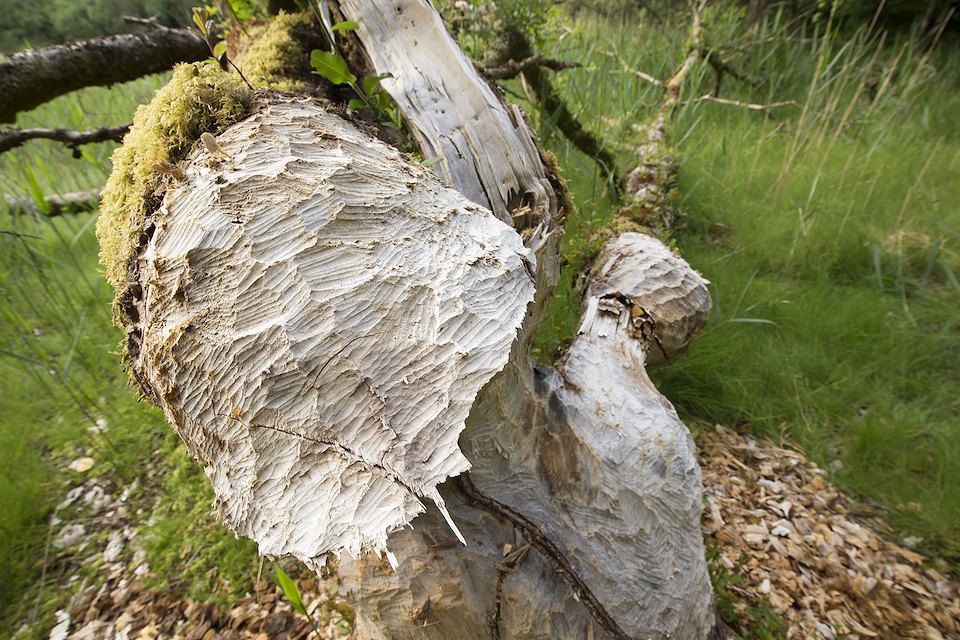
(320, 319)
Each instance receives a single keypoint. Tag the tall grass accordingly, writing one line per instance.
(63, 392)
(830, 231)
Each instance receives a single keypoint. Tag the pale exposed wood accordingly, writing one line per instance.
(487, 148)
(599, 458)
(318, 315)
(667, 301)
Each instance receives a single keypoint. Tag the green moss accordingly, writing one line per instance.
(279, 58)
(199, 98)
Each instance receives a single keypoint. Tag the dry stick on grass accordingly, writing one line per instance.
(13, 137)
(56, 205)
(753, 106)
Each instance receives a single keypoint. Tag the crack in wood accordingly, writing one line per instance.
(511, 563)
(550, 551)
(345, 451)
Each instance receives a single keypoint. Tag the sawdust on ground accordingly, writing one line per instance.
(777, 522)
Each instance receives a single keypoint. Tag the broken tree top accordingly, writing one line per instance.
(318, 314)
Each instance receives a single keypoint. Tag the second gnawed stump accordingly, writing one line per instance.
(316, 316)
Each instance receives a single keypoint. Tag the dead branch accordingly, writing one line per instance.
(514, 68)
(747, 105)
(517, 47)
(55, 205)
(647, 204)
(649, 78)
(673, 84)
(721, 67)
(30, 78)
(13, 137)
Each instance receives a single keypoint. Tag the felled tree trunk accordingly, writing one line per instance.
(337, 335)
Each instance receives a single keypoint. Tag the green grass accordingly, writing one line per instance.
(59, 375)
(830, 232)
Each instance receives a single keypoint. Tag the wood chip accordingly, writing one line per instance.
(798, 547)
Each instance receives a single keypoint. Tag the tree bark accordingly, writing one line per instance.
(322, 320)
(30, 78)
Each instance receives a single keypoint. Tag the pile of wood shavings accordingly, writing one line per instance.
(787, 532)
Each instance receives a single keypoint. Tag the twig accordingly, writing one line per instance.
(513, 68)
(640, 74)
(75, 202)
(649, 78)
(147, 22)
(12, 138)
(747, 105)
(720, 67)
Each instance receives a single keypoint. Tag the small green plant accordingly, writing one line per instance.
(750, 617)
(206, 28)
(292, 593)
(333, 66)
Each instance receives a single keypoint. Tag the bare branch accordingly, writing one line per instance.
(747, 105)
(55, 205)
(13, 137)
(649, 78)
(514, 68)
(540, 89)
(673, 84)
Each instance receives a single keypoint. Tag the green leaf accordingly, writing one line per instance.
(198, 20)
(243, 9)
(220, 49)
(370, 83)
(290, 590)
(429, 162)
(332, 67)
(346, 25)
(355, 104)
